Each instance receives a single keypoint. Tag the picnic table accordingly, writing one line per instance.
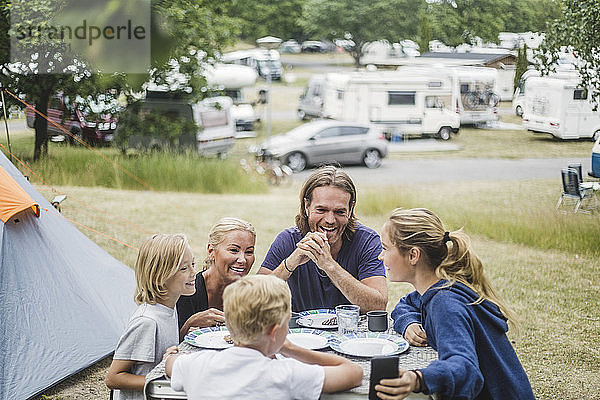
(158, 385)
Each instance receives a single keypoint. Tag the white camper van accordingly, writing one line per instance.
(564, 71)
(559, 107)
(231, 79)
(215, 128)
(474, 89)
(397, 103)
(265, 62)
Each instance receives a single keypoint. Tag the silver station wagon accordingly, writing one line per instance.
(325, 142)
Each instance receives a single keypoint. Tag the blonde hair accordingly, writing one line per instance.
(327, 176)
(158, 260)
(254, 304)
(448, 253)
(223, 227)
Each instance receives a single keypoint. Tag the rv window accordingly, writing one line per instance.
(401, 98)
(317, 90)
(433, 102)
(340, 95)
(464, 88)
(579, 94)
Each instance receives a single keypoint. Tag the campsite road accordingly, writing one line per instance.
(394, 172)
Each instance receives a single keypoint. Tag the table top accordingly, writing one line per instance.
(158, 385)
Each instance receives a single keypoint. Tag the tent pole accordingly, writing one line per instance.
(6, 124)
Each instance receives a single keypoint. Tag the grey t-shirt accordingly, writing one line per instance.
(151, 330)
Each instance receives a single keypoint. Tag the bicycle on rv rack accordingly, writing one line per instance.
(478, 98)
(269, 167)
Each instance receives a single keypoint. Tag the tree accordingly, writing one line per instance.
(180, 30)
(268, 18)
(577, 30)
(362, 21)
(425, 32)
(459, 21)
(521, 65)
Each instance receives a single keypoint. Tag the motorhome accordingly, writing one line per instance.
(474, 89)
(265, 62)
(560, 107)
(231, 79)
(214, 132)
(563, 71)
(399, 104)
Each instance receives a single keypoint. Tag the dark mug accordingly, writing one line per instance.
(377, 321)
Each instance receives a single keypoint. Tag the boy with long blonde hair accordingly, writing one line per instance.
(164, 271)
(257, 312)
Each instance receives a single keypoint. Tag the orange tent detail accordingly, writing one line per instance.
(13, 199)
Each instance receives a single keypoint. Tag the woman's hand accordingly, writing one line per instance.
(398, 388)
(415, 335)
(203, 319)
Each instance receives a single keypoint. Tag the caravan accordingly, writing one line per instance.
(560, 107)
(397, 103)
(474, 89)
(564, 71)
(265, 62)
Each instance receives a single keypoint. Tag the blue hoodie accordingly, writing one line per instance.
(476, 359)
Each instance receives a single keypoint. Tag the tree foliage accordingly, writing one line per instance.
(460, 21)
(189, 31)
(268, 18)
(521, 65)
(577, 30)
(362, 21)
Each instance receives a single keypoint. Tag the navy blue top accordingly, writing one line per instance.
(311, 288)
(476, 359)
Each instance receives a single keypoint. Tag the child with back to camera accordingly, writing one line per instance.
(257, 313)
(164, 271)
(454, 309)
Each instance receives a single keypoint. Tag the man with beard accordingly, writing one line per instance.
(329, 258)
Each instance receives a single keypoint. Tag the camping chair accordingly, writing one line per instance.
(583, 199)
(577, 167)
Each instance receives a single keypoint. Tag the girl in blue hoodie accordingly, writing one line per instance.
(454, 309)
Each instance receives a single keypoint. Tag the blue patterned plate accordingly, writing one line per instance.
(312, 339)
(209, 338)
(368, 344)
(321, 319)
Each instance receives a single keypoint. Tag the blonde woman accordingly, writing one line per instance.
(230, 257)
(454, 309)
(164, 270)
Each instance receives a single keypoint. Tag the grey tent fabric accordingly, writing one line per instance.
(64, 301)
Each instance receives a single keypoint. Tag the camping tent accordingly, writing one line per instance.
(64, 301)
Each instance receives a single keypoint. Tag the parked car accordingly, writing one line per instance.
(313, 46)
(327, 141)
(290, 46)
(92, 119)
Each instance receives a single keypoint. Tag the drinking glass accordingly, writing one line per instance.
(347, 318)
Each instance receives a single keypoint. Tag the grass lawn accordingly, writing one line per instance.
(553, 291)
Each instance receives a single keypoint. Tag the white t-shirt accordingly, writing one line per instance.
(244, 373)
(151, 330)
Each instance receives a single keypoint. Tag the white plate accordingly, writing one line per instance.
(315, 319)
(312, 339)
(209, 338)
(368, 344)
